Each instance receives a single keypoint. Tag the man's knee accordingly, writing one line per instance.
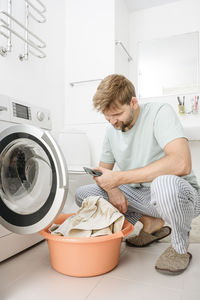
(165, 183)
(165, 188)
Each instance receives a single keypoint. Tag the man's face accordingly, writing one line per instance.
(121, 117)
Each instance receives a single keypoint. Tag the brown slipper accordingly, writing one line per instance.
(144, 239)
(172, 262)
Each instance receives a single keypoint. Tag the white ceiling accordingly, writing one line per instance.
(143, 4)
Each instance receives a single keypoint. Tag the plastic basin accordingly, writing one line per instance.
(84, 257)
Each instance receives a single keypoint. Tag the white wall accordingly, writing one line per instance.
(122, 65)
(38, 81)
(90, 55)
(162, 21)
(92, 28)
(90, 35)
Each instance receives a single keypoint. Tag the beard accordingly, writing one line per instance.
(123, 126)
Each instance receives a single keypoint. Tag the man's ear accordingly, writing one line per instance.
(134, 103)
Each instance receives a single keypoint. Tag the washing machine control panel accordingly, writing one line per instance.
(16, 111)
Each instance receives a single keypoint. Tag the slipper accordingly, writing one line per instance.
(173, 263)
(144, 239)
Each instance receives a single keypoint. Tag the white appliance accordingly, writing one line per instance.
(76, 150)
(33, 175)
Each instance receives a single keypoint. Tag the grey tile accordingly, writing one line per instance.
(118, 289)
(18, 265)
(191, 279)
(46, 283)
(138, 264)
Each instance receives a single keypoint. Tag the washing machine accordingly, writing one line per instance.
(33, 175)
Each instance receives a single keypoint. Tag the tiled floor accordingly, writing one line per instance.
(29, 275)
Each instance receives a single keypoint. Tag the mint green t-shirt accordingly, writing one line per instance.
(144, 143)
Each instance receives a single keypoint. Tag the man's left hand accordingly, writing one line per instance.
(108, 180)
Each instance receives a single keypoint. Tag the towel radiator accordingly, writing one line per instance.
(32, 43)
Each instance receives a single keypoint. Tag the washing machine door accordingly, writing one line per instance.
(33, 179)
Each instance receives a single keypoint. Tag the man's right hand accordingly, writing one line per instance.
(118, 200)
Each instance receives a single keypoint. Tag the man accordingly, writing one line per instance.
(155, 182)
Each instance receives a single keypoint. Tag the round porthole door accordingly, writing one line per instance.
(33, 179)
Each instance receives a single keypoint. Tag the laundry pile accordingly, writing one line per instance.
(95, 217)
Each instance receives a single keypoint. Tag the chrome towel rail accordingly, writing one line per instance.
(5, 50)
(83, 81)
(42, 43)
(29, 44)
(123, 47)
(40, 12)
(28, 14)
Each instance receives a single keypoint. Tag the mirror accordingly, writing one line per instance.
(168, 66)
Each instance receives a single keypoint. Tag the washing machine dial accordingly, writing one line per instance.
(40, 115)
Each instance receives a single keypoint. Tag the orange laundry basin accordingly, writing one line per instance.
(84, 257)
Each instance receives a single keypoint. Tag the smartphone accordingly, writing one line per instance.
(92, 172)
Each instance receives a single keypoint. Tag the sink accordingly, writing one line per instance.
(191, 125)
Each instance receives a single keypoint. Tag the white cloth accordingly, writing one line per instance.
(95, 217)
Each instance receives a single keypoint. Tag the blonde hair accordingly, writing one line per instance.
(113, 90)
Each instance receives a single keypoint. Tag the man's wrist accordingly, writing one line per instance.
(112, 191)
(119, 178)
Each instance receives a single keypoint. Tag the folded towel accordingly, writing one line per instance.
(95, 217)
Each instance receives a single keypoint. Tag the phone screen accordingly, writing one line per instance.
(92, 172)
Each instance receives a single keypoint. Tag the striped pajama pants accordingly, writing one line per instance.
(169, 197)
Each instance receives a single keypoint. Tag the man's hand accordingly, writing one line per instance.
(118, 200)
(108, 180)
